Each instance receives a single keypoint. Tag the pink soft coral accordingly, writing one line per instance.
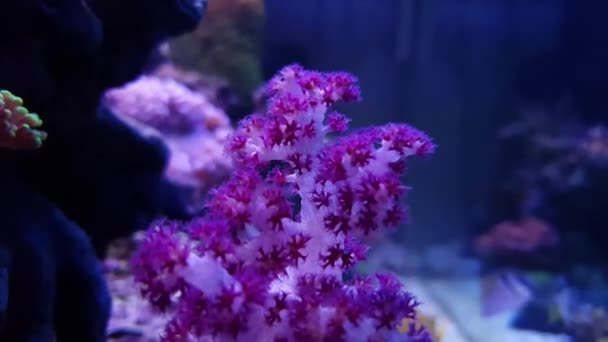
(267, 261)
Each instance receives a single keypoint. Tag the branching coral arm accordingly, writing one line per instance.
(17, 125)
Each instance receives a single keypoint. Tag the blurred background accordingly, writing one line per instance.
(508, 239)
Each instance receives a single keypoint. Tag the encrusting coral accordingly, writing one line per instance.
(165, 105)
(272, 258)
(192, 127)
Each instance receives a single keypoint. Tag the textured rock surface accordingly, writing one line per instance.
(132, 318)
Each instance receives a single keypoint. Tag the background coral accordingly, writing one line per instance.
(227, 44)
(517, 237)
(553, 162)
(17, 125)
(133, 318)
(193, 128)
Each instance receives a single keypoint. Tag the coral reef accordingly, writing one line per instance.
(560, 150)
(281, 234)
(548, 215)
(216, 89)
(165, 105)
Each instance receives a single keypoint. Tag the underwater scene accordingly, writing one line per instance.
(301, 171)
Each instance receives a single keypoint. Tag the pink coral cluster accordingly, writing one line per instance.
(165, 105)
(269, 259)
(191, 126)
(527, 235)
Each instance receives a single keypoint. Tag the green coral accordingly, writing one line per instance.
(18, 125)
(226, 44)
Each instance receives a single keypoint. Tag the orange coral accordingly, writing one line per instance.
(523, 236)
(17, 124)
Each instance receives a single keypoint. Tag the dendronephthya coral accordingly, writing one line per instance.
(18, 126)
(272, 257)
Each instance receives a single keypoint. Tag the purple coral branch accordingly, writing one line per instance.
(258, 267)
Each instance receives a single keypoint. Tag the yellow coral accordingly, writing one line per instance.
(431, 324)
(17, 124)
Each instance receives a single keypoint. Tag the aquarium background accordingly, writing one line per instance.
(508, 232)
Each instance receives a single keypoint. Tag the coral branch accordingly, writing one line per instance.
(267, 261)
(17, 124)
